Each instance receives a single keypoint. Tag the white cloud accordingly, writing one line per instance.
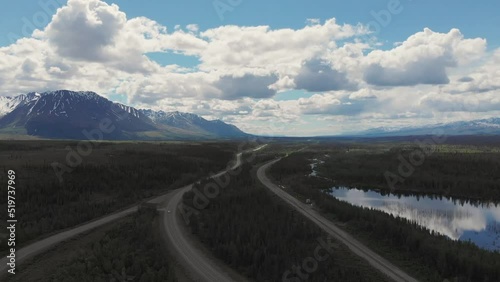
(91, 45)
(319, 76)
(332, 104)
(363, 94)
(422, 59)
(281, 50)
(253, 86)
(483, 78)
(85, 30)
(477, 102)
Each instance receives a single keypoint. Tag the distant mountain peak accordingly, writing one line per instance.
(489, 126)
(194, 122)
(66, 114)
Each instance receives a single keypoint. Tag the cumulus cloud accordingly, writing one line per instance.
(363, 94)
(92, 45)
(442, 102)
(94, 31)
(422, 59)
(319, 76)
(29, 66)
(164, 85)
(89, 38)
(424, 71)
(282, 50)
(466, 79)
(331, 104)
(246, 86)
(485, 77)
(85, 29)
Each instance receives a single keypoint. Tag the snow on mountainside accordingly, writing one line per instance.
(62, 101)
(483, 127)
(173, 118)
(193, 122)
(5, 108)
(161, 115)
(133, 111)
(8, 104)
(66, 114)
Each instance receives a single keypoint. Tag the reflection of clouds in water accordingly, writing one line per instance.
(477, 220)
(495, 212)
(442, 216)
(451, 223)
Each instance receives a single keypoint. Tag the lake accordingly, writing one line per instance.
(458, 220)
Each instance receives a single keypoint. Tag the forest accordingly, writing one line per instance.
(114, 176)
(431, 257)
(261, 237)
(449, 170)
(130, 251)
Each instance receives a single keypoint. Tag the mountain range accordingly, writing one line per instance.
(67, 114)
(489, 126)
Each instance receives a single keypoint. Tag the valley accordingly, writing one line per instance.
(249, 141)
(226, 227)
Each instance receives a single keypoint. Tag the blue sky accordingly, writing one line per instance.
(359, 93)
(473, 19)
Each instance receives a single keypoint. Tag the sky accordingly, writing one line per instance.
(297, 68)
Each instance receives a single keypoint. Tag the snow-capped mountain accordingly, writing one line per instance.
(4, 105)
(68, 115)
(8, 104)
(193, 122)
(476, 127)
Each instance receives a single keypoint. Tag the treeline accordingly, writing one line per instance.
(261, 237)
(458, 171)
(432, 256)
(129, 252)
(462, 175)
(114, 176)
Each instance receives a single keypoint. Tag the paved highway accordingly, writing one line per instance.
(38, 247)
(355, 246)
(202, 267)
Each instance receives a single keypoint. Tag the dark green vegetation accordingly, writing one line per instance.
(113, 176)
(429, 257)
(130, 251)
(271, 150)
(459, 171)
(261, 237)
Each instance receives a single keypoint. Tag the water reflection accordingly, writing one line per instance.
(313, 165)
(458, 220)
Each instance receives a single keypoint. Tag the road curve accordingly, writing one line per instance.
(25, 253)
(354, 245)
(40, 246)
(202, 267)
